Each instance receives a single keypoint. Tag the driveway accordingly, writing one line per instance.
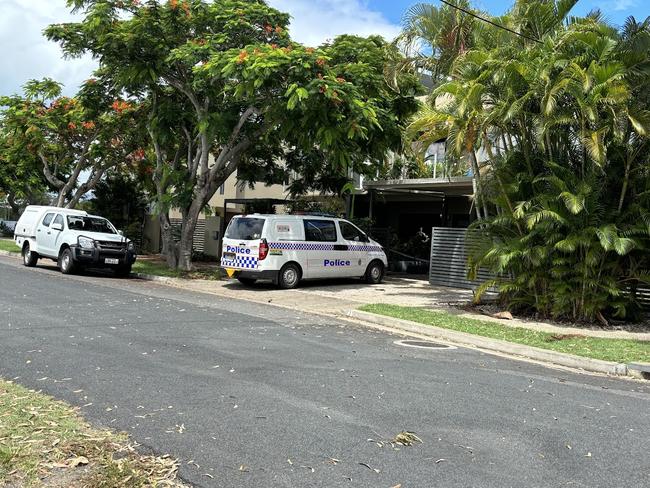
(248, 395)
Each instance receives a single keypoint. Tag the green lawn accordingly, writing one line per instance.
(8, 245)
(158, 268)
(42, 437)
(617, 350)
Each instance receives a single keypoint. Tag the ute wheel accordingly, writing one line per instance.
(66, 263)
(375, 273)
(247, 281)
(123, 271)
(30, 258)
(289, 276)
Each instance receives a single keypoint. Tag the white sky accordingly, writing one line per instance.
(26, 54)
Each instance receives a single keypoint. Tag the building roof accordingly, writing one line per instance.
(455, 185)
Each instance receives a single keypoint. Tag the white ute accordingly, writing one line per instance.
(73, 239)
(288, 248)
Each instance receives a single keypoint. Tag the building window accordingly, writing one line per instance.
(222, 189)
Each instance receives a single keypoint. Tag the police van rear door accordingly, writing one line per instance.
(241, 243)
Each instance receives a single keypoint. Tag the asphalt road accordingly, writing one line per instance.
(256, 396)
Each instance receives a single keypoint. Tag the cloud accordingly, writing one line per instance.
(315, 21)
(617, 5)
(27, 54)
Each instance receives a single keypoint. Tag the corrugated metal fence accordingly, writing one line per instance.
(449, 263)
(449, 259)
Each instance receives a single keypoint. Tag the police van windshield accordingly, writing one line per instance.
(90, 224)
(245, 228)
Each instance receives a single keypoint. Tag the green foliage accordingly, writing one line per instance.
(563, 197)
(50, 140)
(228, 90)
(122, 199)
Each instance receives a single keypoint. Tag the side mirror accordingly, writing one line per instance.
(120, 232)
(58, 227)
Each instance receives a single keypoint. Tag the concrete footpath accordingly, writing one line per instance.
(342, 298)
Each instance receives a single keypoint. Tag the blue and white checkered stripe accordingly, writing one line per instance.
(243, 262)
(301, 246)
(365, 248)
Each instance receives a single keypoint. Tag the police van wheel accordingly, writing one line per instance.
(289, 276)
(374, 273)
(247, 281)
(30, 258)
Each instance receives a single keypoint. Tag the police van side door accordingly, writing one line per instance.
(356, 242)
(324, 259)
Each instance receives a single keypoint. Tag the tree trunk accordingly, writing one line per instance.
(479, 196)
(190, 219)
(169, 246)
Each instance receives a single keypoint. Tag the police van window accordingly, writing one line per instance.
(246, 229)
(320, 230)
(48, 219)
(350, 232)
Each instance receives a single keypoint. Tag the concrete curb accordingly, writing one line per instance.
(462, 338)
(10, 253)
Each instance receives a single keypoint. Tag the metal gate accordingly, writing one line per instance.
(449, 260)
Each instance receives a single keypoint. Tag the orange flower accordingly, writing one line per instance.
(320, 62)
(89, 125)
(91, 81)
(274, 46)
(309, 50)
(340, 79)
(72, 126)
(173, 4)
(268, 28)
(278, 30)
(242, 57)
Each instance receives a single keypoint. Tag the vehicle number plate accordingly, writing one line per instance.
(229, 256)
(111, 261)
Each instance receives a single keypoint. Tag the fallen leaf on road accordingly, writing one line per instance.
(370, 467)
(243, 468)
(333, 461)
(406, 438)
(440, 460)
(309, 468)
(208, 475)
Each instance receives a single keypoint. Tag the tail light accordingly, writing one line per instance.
(264, 249)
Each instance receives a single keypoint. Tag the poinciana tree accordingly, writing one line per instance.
(69, 139)
(564, 118)
(229, 89)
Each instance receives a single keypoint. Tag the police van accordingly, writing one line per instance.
(289, 248)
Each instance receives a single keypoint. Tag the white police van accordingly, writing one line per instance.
(288, 248)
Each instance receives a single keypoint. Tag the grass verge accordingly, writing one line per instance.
(158, 268)
(617, 350)
(8, 245)
(45, 442)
